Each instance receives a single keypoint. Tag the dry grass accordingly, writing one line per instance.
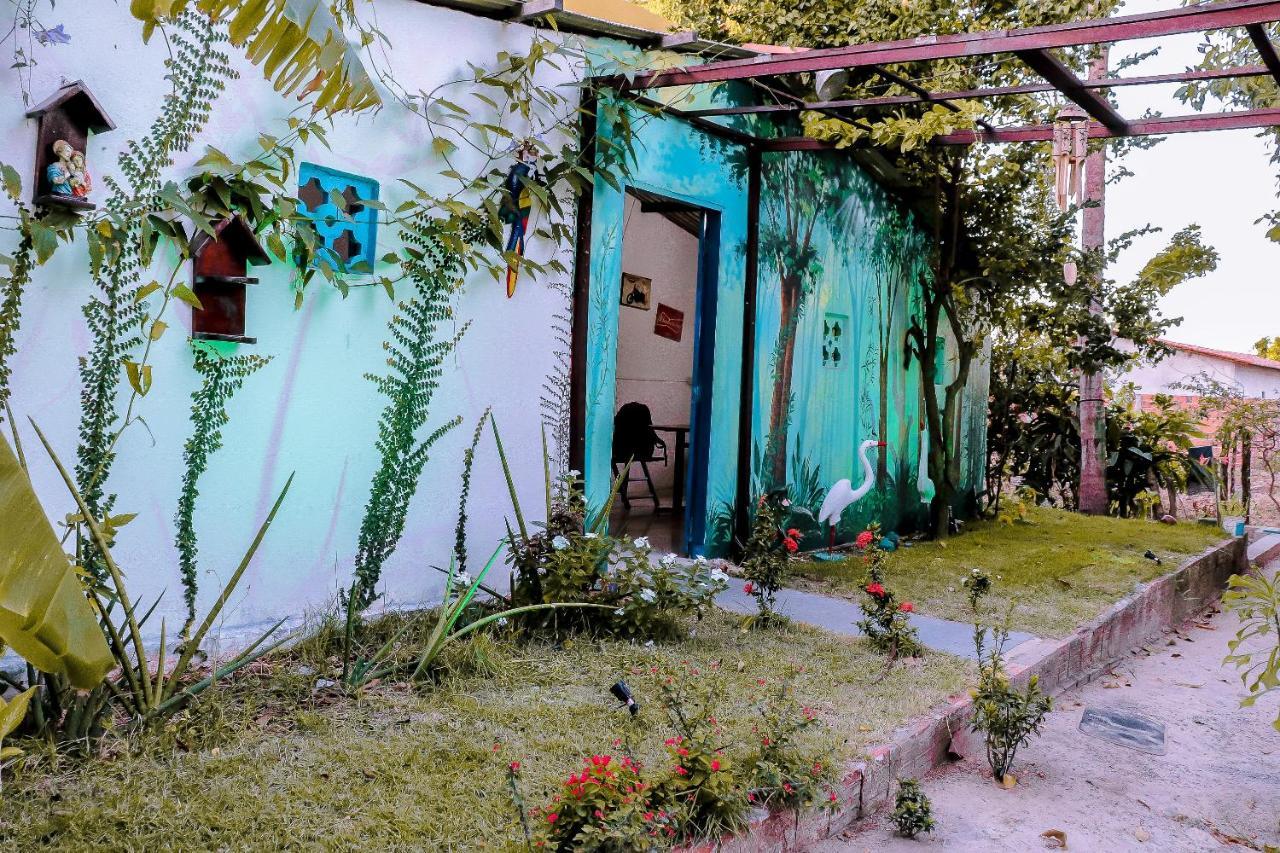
(265, 765)
(1057, 572)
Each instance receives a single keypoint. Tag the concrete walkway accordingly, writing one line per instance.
(1217, 787)
(840, 616)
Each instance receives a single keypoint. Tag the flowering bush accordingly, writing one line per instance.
(576, 561)
(706, 789)
(766, 555)
(912, 811)
(886, 623)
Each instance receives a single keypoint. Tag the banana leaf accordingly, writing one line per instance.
(44, 614)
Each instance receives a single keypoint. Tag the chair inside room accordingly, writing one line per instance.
(636, 443)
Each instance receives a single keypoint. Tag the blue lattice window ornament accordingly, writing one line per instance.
(348, 229)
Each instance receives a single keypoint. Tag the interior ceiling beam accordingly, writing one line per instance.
(1065, 81)
(993, 92)
(1258, 34)
(1188, 19)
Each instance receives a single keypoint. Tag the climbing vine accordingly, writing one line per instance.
(220, 378)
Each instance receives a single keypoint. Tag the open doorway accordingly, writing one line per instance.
(666, 328)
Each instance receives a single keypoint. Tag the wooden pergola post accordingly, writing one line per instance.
(1093, 438)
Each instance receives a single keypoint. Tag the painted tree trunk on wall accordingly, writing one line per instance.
(780, 405)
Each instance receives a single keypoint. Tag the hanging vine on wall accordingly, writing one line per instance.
(468, 462)
(221, 377)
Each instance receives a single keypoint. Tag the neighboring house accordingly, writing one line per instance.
(1252, 375)
(825, 370)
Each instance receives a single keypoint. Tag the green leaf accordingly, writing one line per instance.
(44, 615)
(146, 290)
(44, 240)
(157, 329)
(12, 712)
(12, 181)
(443, 147)
(188, 296)
(139, 376)
(10, 752)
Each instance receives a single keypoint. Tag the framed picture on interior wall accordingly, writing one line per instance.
(636, 290)
(668, 322)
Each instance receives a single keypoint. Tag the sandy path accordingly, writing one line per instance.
(1219, 781)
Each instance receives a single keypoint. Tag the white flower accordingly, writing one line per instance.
(648, 595)
(462, 579)
(640, 542)
(718, 576)
(786, 501)
(700, 560)
(541, 571)
(591, 536)
(668, 561)
(502, 622)
(649, 644)
(574, 473)
(559, 543)
(619, 612)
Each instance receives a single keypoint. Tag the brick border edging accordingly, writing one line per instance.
(923, 743)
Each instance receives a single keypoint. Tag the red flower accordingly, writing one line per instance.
(793, 533)
(680, 771)
(749, 588)
(791, 545)
(875, 589)
(515, 767)
(715, 765)
(906, 607)
(553, 817)
(863, 540)
(833, 796)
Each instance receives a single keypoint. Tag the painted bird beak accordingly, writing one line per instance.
(881, 444)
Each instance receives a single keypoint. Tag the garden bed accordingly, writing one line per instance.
(1057, 569)
(266, 763)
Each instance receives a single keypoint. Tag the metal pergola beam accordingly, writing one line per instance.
(1065, 81)
(1199, 18)
(1258, 34)
(993, 92)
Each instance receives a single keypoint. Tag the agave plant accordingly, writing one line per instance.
(459, 592)
(150, 687)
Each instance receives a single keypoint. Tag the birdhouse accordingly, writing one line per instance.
(219, 280)
(67, 117)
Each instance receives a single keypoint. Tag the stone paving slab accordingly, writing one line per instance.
(840, 616)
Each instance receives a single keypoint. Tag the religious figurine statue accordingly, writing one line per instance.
(517, 202)
(81, 182)
(59, 173)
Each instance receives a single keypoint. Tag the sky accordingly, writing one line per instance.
(1222, 181)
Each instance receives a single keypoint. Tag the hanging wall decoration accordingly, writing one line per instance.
(636, 290)
(66, 117)
(668, 322)
(517, 202)
(219, 280)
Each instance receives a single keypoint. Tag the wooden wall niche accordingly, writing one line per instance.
(219, 278)
(68, 115)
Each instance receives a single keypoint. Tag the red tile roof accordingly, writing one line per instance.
(1226, 355)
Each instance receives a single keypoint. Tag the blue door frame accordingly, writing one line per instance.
(704, 347)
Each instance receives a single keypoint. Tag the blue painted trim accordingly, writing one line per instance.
(700, 405)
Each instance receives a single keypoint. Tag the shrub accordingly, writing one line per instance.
(614, 804)
(1256, 600)
(766, 555)
(887, 621)
(912, 812)
(574, 560)
(1006, 716)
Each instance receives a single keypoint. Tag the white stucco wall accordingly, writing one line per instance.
(310, 411)
(1182, 366)
(654, 370)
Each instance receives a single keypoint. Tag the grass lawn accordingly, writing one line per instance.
(265, 764)
(1058, 571)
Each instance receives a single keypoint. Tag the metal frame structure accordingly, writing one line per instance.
(1031, 46)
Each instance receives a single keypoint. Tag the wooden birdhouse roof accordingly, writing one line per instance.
(238, 236)
(79, 104)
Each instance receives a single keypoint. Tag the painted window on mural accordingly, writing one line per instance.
(347, 228)
(939, 360)
(835, 334)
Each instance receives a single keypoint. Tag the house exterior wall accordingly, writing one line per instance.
(310, 411)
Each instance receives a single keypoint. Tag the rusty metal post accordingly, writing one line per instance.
(1093, 443)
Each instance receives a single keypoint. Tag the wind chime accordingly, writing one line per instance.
(1070, 148)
